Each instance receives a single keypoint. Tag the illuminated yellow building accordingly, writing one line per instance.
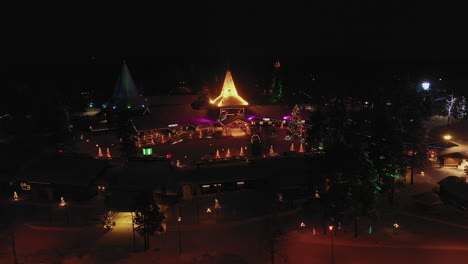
(229, 96)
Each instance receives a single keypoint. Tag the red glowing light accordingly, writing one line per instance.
(168, 156)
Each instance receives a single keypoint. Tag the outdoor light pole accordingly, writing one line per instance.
(13, 247)
(133, 230)
(332, 250)
(179, 219)
(198, 210)
(412, 165)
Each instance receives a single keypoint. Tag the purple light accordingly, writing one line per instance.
(286, 117)
(202, 120)
(251, 118)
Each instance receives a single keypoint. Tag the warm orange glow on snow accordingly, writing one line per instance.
(229, 96)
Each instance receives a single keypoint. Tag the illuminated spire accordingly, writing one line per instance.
(229, 96)
(126, 95)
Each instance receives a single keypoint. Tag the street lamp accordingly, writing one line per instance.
(217, 206)
(332, 251)
(179, 219)
(426, 86)
(447, 137)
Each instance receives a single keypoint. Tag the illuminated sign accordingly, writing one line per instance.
(147, 151)
(173, 125)
(25, 186)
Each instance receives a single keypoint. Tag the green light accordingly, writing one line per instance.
(128, 106)
(321, 148)
(147, 151)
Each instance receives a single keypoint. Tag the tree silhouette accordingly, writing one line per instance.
(149, 220)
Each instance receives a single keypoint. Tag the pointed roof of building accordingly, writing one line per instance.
(229, 96)
(126, 95)
(277, 64)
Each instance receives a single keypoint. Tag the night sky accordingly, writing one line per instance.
(84, 44)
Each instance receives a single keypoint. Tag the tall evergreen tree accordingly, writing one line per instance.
(295, 125)
(149, 220)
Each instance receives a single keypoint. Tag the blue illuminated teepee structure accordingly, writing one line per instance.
(126, 96)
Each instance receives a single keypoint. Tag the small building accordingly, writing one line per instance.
(454, 190)
(452, 158)
(49, 177)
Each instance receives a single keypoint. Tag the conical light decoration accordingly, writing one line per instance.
(126, 95)
(241, 153)
(108, 153)
(100, 152)
(228, 153)
(217, 154)
(272, 152)
(15, 196)
(301, 148)
(292, 147)
(62, 202)
(229, 96)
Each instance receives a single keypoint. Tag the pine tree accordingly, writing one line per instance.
(149, 220)
(449, 107)
(461, 108)
(295, 125)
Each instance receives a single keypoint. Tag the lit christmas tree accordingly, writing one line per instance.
(461, 108)
(295, 125)
(277, 85)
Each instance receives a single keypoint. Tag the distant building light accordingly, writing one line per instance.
(168, 156)
(91, 105)
(104, 106)
(240, 183)
(173, 125)
(129, 106)
(286, 117)
(425, 86)
(205, 186)
(114, 107)
(142, 105)
(266, 119)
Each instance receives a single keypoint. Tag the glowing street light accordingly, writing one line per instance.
(447, 137)
(425, 86)
(217, 206)
(179, 219)
(332, 251)
(302, 224)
